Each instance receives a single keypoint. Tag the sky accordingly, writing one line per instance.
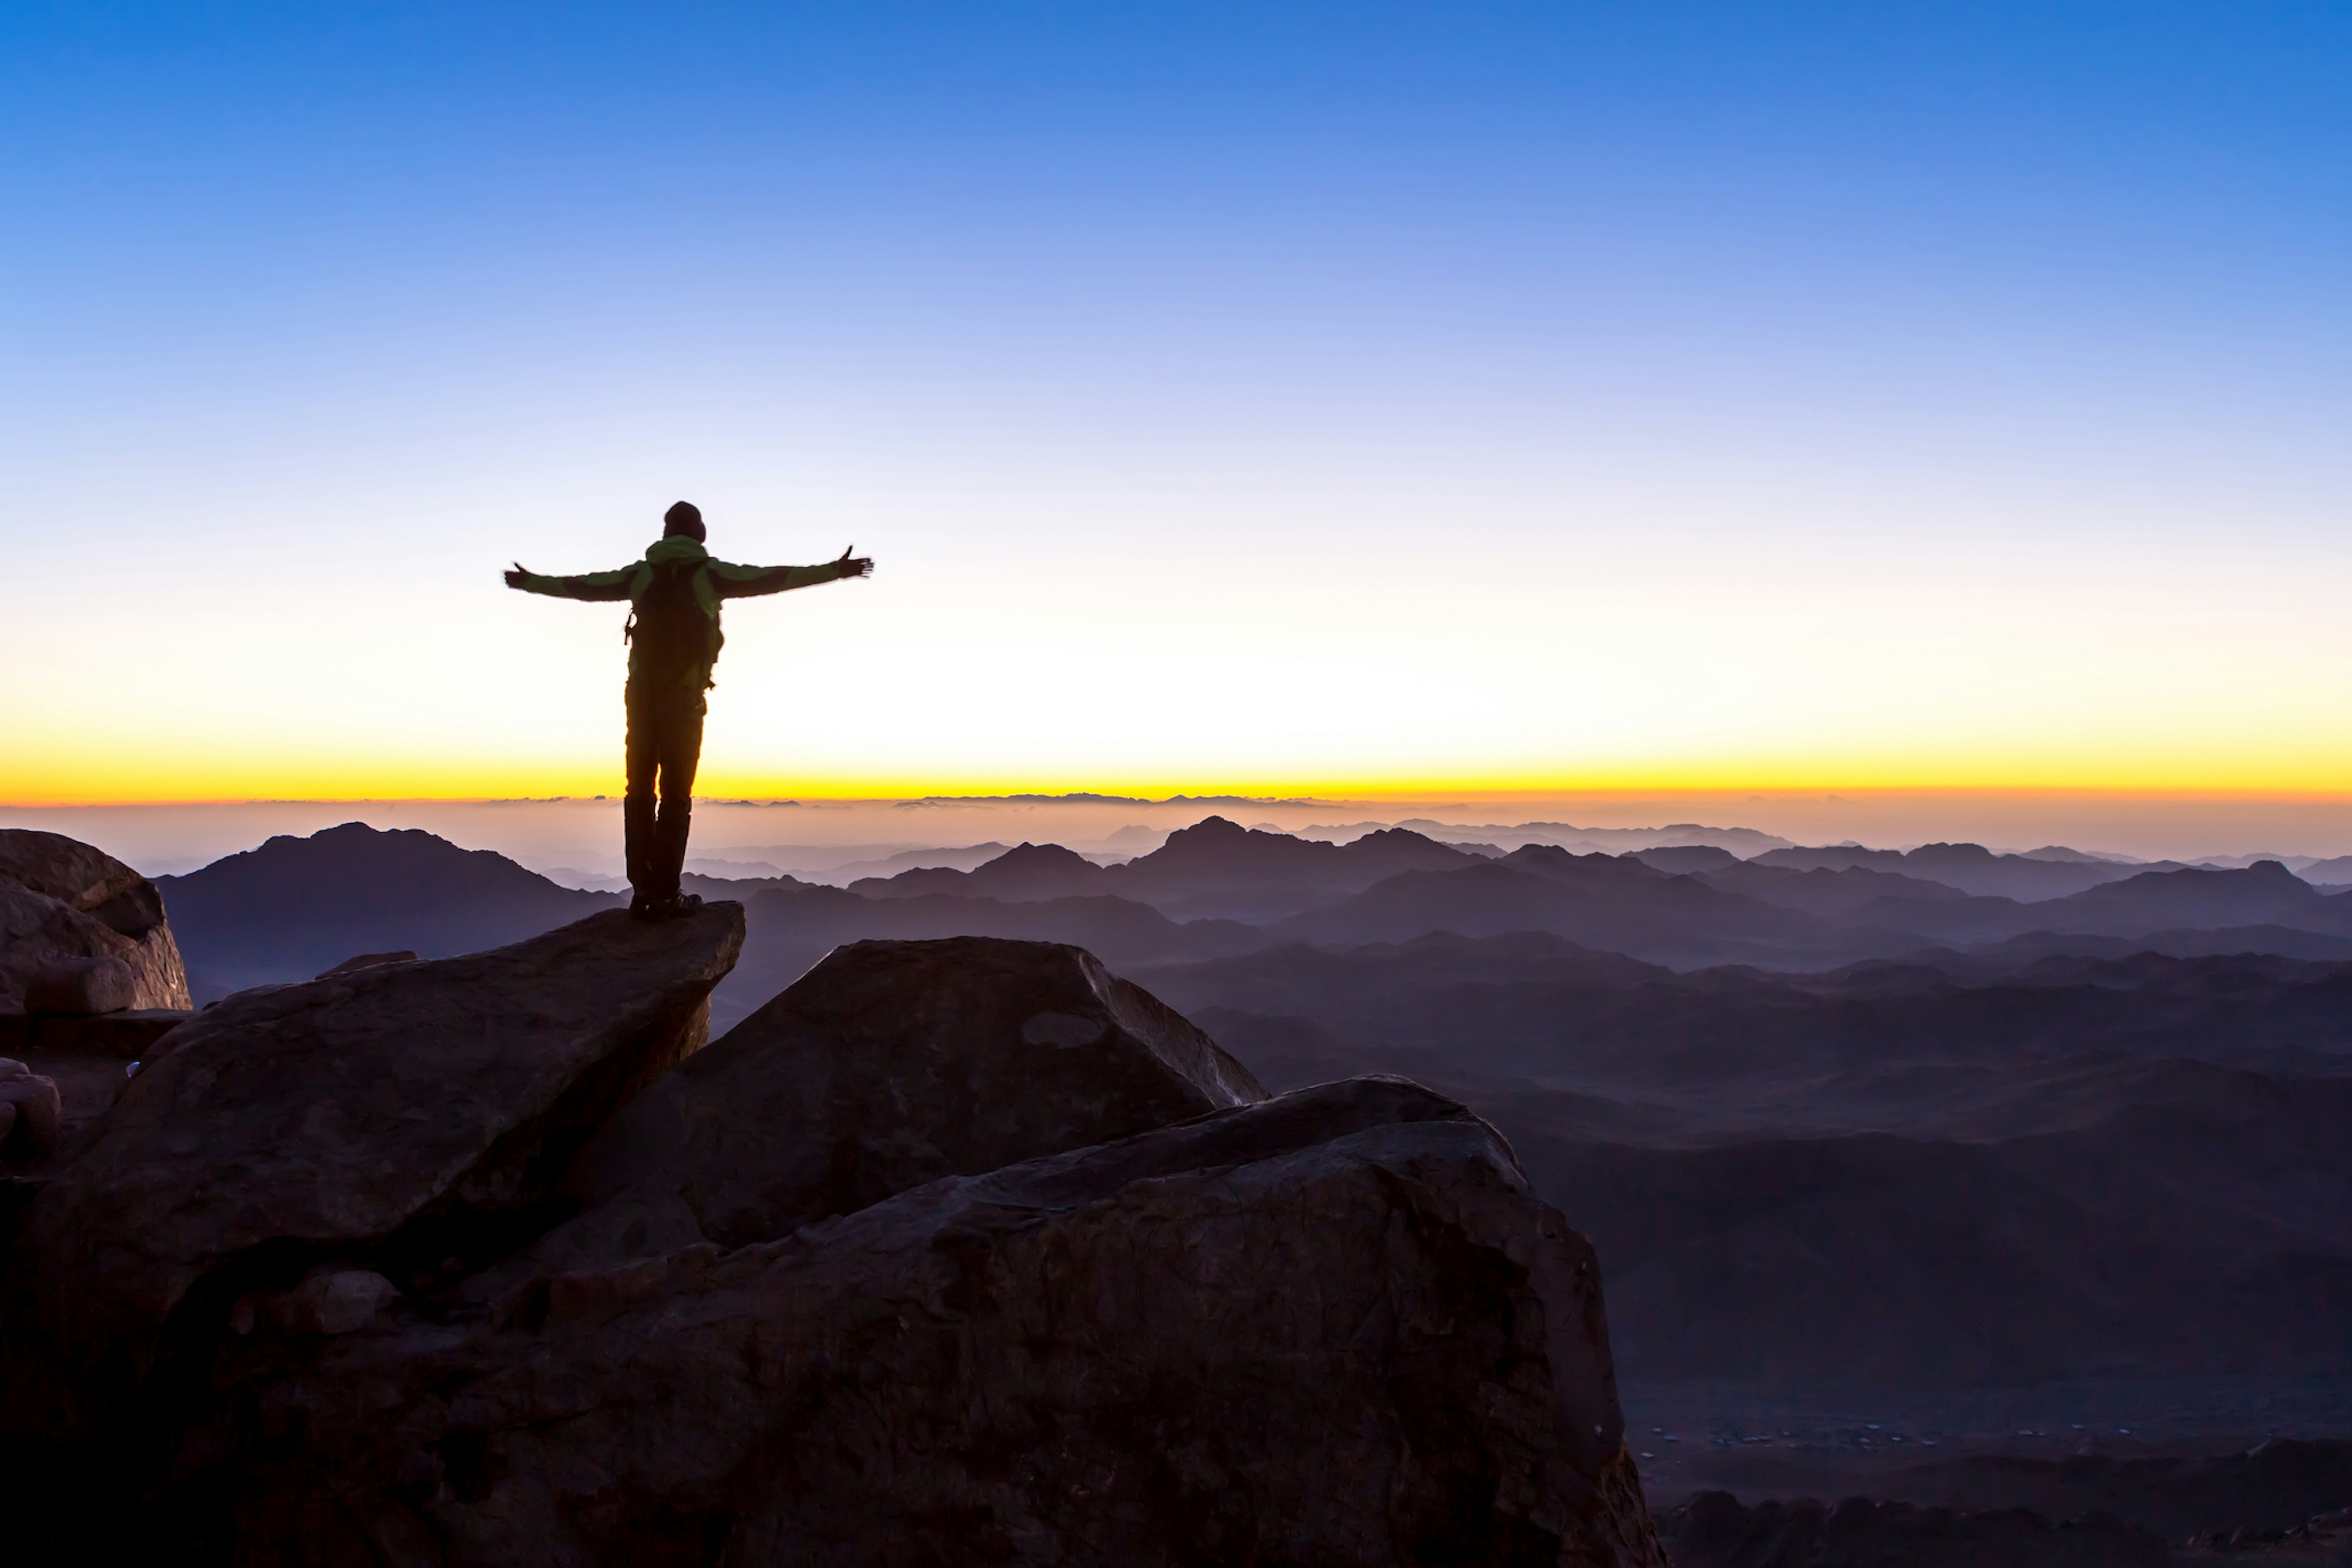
(1451, 402)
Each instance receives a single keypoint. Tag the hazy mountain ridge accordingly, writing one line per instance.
(1736, 841)
(1879, 1043)
(1890, 1176)
(2326, 872)
(1597, 900)
(296, 905)
(2164, 1238)
(1216, 868)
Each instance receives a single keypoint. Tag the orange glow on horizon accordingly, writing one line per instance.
(318, 781)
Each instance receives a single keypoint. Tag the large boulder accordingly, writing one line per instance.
(890, 1065)
(1333, 1326)
(976, 1254)
(80, 931)
(391, 1117)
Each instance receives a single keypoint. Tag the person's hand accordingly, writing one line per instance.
(854, 566)
(515, 575)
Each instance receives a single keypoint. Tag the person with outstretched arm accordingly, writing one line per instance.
(674, 596)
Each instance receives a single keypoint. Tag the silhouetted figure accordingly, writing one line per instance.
(674, 639)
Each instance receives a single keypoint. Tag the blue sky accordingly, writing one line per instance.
(1498, 394)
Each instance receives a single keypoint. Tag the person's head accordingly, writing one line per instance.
(684, 518)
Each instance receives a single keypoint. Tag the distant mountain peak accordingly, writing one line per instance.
(1961, 851)
(2081, 857)
(1550, 860)
(1027, 854)
(293, 905)
(1389, 835)
(1213, 829)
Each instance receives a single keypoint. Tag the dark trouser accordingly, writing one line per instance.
(665, 742)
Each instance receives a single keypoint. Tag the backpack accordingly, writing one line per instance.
(671, 636)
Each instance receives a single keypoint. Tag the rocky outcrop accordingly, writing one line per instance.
(29, 1114)
(80, 931)
(1334, 1327)
(979, 1255)
(406, 1112)
(890, 1065)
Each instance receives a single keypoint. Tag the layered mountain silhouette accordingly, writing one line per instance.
(295, 905)
(1896, 1176)
(1603, 899)
(1216, 868)
(1970, 868)
(2336, 872)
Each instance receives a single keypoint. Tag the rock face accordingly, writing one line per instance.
(890, 1065)
(29, 1111)
(1334, 1327)
(80, 931)
(957, 1252)
(82, 986)
(408, 1110)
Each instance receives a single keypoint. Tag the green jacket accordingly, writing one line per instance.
(714, 580)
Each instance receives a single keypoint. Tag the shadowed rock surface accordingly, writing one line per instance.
(890, 1065)
(409, 1107)
(30, 1112)
(1335, 1327)
(82, 929)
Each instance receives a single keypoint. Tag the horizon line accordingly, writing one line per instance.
(1456, 798)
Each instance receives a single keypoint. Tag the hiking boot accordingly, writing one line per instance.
(642, 908)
